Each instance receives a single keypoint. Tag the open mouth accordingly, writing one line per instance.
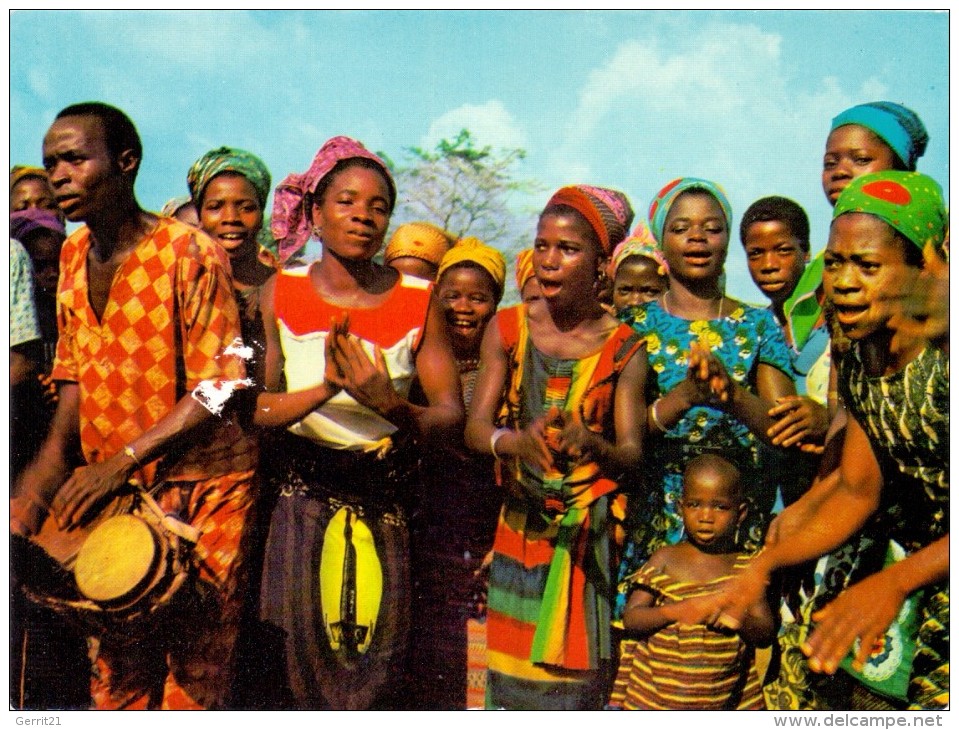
(232, 237)
(848, 313)
(466, 325)
(697, 258)
(549, 288)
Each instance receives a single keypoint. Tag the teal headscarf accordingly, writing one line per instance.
(896, 125)
(910, 202)
(659, 208)
(228, 159)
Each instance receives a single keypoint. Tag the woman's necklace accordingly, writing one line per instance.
(719, 313)
(468, 364)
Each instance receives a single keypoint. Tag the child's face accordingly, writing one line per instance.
(865, 274)
(775, 258)
(637, 282)
(531, 292)
(710, 511)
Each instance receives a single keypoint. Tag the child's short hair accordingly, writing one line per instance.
(777, 208)
(718, 465)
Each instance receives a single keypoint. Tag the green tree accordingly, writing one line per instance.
(466, 189)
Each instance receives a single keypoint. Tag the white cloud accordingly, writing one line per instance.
(726, 80)
(719, 103)
(490, 124)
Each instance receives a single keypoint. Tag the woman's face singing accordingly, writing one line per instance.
(566, 258)
(695, 238)
(866, 275)
(231, 212)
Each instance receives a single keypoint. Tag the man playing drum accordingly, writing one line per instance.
(148, 334)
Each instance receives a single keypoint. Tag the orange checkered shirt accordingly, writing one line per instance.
(170, 316)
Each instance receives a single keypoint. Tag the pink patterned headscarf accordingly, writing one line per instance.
(641, 242)
(291, 222)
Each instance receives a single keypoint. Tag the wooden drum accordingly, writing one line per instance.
(118, 571)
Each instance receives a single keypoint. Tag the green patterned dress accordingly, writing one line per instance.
(905, 416)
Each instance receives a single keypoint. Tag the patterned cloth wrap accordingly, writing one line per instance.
(659, 208)
(420, 240)
(473, 250)
(910, 202)
(524, 268)
(292, 223)
(641, 242)
(228, 159)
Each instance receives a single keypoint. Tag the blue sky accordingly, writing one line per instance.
(626, 99)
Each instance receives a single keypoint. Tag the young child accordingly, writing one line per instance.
(681, 661)
(638, 270)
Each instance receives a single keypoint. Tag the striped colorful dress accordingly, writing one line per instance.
(551, 580)
(683, 666)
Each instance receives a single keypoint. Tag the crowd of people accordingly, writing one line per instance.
(280, 461)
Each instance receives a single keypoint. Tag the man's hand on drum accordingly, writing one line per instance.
(88, 489)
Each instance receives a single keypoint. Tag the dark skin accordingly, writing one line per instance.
(866, 264)
(776, 260)
(95, 186)
(712, 508)
(570, 323)
(696, 237)
(354, 216)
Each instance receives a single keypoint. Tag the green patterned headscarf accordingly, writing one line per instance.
(228, 159)
(910, 202)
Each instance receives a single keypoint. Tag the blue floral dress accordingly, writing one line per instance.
(741, 340)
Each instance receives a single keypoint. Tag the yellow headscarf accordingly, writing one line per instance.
(524, 268)
(421, 240)
(477, 252)
(19, 172)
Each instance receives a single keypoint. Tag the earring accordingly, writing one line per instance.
(602, 280)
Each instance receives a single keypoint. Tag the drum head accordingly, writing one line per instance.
(116, 559)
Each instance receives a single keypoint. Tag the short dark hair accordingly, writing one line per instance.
(119, 132)
(777, 208)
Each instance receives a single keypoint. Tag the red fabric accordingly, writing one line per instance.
(304, 311)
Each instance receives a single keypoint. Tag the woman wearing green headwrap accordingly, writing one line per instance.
(894, 472)
(229, 188)
(863, 139)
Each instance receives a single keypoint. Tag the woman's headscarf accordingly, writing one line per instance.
(421, 240)
(19, 172)
(292, 223)
(25, 222)
(477, 252)
(659, 208)
(897, 126)
(910, 202)
(640, 243)
(607, 211)
(228, 159)
(524, 268)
